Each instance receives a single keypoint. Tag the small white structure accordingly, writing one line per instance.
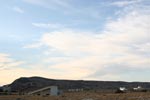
(122, 89)
(51, 90)
(138, 88)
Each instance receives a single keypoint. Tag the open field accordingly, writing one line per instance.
(83, 96)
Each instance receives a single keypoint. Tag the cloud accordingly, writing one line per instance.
(6, 62)
(35, 45)
(52, 4)
(68, 7)
(48, 25)
(124, 44)
(18, 9)
(124, 3)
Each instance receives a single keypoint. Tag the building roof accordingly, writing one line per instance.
(42, 89)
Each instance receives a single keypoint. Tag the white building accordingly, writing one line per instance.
(51, 90)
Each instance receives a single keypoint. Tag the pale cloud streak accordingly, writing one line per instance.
(6, 62)
(48, 25)
(35, 45)
(68, 7)
(18, 9)
(52, 4)
(123, 3)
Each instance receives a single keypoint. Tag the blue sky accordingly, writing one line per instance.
(75, 39)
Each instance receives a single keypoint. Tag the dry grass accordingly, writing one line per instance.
(83, 96)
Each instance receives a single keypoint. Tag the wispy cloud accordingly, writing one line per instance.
(68, 7)
(18, 9)
(34, 45)
(52, 4)
(6, 62)
(124, 3)
(48, 25)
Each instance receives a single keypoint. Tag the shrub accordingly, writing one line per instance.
(119, 91)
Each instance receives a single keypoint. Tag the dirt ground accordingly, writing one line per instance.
(83, 96)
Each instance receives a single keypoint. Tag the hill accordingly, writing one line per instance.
(25, 84)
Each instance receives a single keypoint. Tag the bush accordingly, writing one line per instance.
(144, 90)
(119, 91)
(1, 90)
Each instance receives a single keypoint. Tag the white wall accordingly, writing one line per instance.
(54, 91)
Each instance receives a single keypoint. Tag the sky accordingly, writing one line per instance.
(75, 39)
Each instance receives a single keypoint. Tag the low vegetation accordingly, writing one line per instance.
(83, 96)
